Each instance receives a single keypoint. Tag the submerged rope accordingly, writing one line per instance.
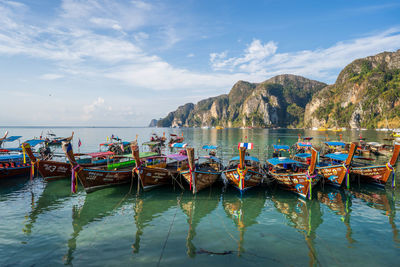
(169, 231)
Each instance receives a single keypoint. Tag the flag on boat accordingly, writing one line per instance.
(246, 145)
(79, 143)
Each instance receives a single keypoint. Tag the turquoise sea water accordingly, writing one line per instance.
(42, 223)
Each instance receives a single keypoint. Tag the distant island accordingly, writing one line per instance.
(366, 94)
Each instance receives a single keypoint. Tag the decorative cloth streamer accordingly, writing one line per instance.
(390, 167)
(74, 179)
(310, 178)
(242, 174)
(347, 176)
(23, 152)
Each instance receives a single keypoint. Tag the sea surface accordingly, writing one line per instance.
(44, 224)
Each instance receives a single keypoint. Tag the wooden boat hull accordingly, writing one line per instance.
(372, 174)
(19, 169)
(52, 170)
(333, 175)
(151, 177)
(95, 179)
(202, 179)
(296, 183)
(252, 178)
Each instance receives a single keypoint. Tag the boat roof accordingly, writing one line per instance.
(246, 158)
(152, 143)
(210, 157)
(179, 145)
(209, 147)
(11, 157)
(337, 156)
(109, 144)
(281, 147)
(374, 144)
(276, 161)
(177, 157)
(303, 144)
(101, 154)
(12, 138)
(335, 143)
(303, 155)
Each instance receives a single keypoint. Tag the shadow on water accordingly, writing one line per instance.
(96, 207)
(196, 207)
(243, 210)
(339, 201)
(303, 215)
(380, 199)
(52, 196)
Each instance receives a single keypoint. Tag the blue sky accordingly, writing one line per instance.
(122, 63)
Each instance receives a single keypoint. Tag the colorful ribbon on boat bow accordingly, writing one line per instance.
(191, 177)
(347, 176)
(242, 175)
(74, 179)
(390, 167)
(310, 179)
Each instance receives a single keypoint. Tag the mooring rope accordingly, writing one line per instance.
(169, 231)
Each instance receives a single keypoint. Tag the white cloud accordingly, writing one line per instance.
(262, 60)
(190, 55)
(51, 76)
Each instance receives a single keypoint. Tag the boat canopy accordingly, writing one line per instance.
(277, 161)
(34, 142)
(124, 143)
(151, 143)
(303, 144)
(246, 158)
(179, 145)
(100, 154)
(12, 138)
(335, 143)
(210, 147)
(11, 157)
(281, 147)
(374, 144)
(337, 156)
(177, 157)
(303, 155)
(210, 157)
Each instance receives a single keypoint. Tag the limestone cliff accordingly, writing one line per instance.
(366, 94)
(279, 101)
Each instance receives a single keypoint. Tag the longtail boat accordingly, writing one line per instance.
(203, 174)
(244, 172)
(3, 138)
(52, 140)
(377, 174)
(16, 164)
(52, 169)
(95, 178)
(158, 170)
(293, 175)
(336, 166)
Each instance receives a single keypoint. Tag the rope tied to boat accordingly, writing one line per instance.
(393, 170)
(242, 175)
(310, 179)
(74, 179)
(347, 176)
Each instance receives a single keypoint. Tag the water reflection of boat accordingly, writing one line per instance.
(147, 207)
(97, 206)
(379, 199)
(196, 208)
(53, 195)
(243, 210)
(340, 203)
(303, 215)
